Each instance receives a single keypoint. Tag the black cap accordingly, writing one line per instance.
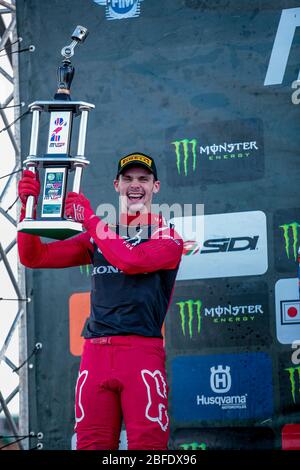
(137, 159)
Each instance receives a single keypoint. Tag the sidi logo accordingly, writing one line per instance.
(230, 244)
(289, 21)
(220, 379)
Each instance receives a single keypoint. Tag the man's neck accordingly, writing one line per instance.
(145, 218)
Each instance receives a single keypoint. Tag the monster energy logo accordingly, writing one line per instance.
(187, 311)
(293, 372)
(183, 149)
(186, 150)
(193, 446)
(290, 229)
(87, 269)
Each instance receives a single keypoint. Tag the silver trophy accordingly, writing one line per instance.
(57, 161)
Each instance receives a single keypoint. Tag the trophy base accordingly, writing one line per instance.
(57, 229)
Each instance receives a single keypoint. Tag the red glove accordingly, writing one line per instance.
(29, 185)
(78, 207)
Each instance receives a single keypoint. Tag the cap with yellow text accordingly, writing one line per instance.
(137, 159)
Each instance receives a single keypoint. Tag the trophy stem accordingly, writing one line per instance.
(34, 130)
(77, 179)
(82, 132)
(33, 152)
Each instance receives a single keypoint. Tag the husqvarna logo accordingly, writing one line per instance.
(220, 379)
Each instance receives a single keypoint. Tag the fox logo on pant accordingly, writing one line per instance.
(156, 387)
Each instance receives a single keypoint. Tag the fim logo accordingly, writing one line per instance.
(120, 9)
(188, 311)
(290, 312)
(290, 235)
(220, 379)
(294, 376)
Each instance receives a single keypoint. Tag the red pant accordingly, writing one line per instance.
(122, 376)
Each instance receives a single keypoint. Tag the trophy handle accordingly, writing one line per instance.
(29, 212)
(30, 201)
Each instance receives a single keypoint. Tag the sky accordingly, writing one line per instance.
(8, 309)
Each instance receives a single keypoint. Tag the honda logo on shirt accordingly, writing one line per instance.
(290, 311)
(220, 379)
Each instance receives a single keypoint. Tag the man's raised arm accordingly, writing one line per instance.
(60, 254)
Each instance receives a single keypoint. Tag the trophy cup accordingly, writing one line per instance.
(57, 160)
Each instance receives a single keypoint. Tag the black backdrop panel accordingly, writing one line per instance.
(184, 81)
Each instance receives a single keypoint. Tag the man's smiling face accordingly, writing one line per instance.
(136, 187)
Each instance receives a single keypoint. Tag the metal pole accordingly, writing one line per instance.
(23, 423)
(80, 148)
(82, 131)
(10, 421)
(77, 179)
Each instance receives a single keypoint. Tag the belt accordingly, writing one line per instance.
(126, 340)
(104, 340)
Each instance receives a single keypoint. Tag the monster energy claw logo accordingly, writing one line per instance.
(293, 372)
(183, 149)
(85, 268)
(187, 311)
(193, 446)
(290, 229)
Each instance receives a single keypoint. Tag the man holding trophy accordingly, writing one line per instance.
(122, 372)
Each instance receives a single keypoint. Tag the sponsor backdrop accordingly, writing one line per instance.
(209, 88)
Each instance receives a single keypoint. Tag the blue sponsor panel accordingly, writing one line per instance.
(222, 387)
